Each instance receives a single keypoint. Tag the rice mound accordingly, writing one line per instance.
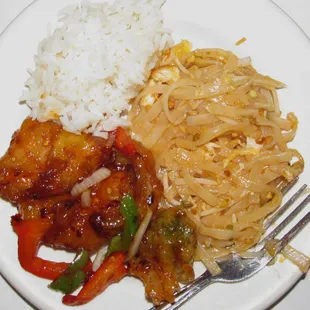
(96, 60)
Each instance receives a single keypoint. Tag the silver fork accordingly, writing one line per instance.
(237, 269)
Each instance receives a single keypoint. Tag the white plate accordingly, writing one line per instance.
(277, 47)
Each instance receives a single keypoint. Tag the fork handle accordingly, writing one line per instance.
(187, 294)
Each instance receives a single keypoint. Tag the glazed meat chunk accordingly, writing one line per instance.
(43, 160)
(75, 226)
(165, 255)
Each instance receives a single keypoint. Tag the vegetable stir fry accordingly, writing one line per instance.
(105, 205)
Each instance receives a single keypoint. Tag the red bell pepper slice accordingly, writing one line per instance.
(124, 143)
(111, 270)
(30, 234)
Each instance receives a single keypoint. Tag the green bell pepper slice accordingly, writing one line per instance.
(73, 276)
(130, 212)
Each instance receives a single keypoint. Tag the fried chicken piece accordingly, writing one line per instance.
(43, 160)
(71, 228)
(72, 158)
(91, 227)
(26, 158)
(41, 208)
(165, 255)
(76, 227)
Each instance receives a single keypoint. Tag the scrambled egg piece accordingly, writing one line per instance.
(252, 148)
(182, 49)
(251, 143)
(148, 100)
(166, 74)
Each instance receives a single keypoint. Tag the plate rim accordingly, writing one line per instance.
(30, 298)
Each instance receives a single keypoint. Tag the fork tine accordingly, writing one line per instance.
(288, 237)
(285, 222)
(206, 279)
(289, 186)
(281, 211)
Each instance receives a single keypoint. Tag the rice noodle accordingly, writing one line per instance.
(198, 189)
(296, 257)
(249, 254)
(299, 259)
(202, 119)
(220, 143)
(98, 176)
(208, 260)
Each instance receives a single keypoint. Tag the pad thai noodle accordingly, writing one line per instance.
(214, 126)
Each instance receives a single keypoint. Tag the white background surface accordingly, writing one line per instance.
(297, 299)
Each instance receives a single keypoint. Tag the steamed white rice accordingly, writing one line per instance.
(98, 58)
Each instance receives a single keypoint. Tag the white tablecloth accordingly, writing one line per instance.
(298, 297)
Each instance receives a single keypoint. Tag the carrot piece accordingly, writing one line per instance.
(112, 270)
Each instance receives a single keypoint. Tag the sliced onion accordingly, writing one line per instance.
(96, 177)
(99, 258)
(134, 246)
(85, 199)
